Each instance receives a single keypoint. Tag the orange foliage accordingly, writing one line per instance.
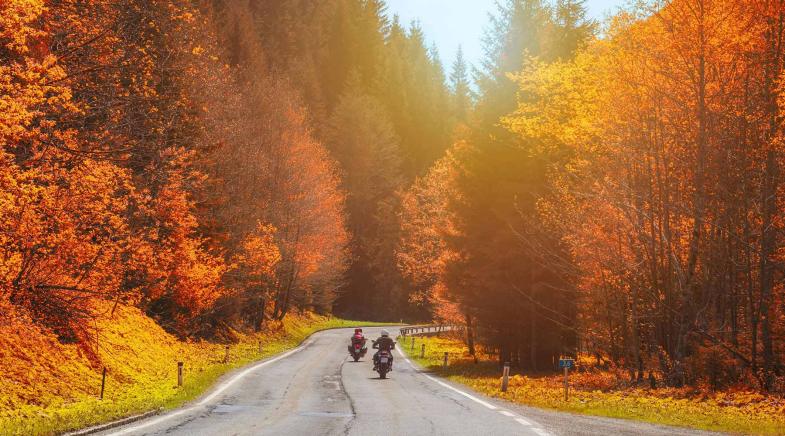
(109, 149)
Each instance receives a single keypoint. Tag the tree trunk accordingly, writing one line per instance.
(768, 247)
(469, 332)
(769, 194)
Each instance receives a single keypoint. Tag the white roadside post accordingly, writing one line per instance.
(505, 376)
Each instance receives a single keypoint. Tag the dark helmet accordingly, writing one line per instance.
(358, 330)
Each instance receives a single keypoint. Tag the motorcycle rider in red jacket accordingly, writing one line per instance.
(357, 337)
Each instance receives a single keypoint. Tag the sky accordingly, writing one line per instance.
(453, 23)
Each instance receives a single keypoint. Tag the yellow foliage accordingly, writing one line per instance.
(594, 393)
(50, 387)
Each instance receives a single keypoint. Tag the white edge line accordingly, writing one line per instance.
(214, 394)
(469, 396)
(152, 422)
(245, 372)
(521, 421)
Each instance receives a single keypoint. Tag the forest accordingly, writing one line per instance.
(609, 189)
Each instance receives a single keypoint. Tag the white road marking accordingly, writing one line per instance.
(519, 420)
(152, 422)
(242, 374)
(213, 395)
(467, 395)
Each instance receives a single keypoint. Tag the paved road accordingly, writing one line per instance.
(317, 389)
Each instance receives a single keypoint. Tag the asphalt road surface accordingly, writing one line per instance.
(317, 389)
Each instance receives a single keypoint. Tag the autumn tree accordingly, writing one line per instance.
(122, 146)
(657, 187)
(62, 211)
(503, 269)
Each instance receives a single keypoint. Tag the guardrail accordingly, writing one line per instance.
(429, 329)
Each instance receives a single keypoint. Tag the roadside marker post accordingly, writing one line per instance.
(261, 350)
(103, 383)
(179, 374)
(505, 376)
(226, 356)
(445, 360)
(566, 363)
(422, 352)
(412, 347)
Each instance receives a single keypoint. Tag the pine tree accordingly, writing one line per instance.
(503, 271)
(462, 94)
(570, 30)
(363, 141)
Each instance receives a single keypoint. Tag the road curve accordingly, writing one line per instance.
(316, 389)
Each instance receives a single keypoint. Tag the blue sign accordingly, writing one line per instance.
(566, 363)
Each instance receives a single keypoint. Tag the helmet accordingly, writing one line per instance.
(358, 330)
(385, 333)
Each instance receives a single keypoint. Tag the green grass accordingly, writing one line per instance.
(143, 376)
(735, 412)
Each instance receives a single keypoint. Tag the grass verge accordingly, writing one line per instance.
(740, 412)
(49, 388)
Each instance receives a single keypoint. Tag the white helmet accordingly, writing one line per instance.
(385, 333)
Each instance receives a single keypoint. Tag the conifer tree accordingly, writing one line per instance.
(462, 94)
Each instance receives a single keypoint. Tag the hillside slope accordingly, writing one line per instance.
(49, 387)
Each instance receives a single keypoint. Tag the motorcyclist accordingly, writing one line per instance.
(384, 343)
(357, 337)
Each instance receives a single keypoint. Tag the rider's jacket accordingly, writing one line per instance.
(384, 343)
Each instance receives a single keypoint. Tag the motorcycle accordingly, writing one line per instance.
(356, 350)
(385, 364)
